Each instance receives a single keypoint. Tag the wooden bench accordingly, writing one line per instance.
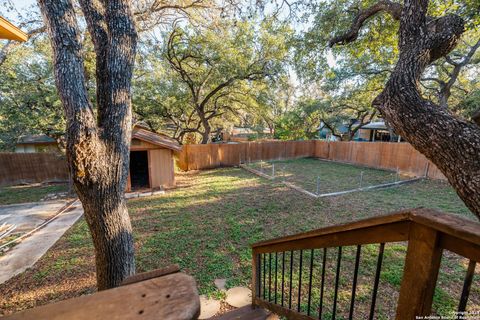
(160, 294)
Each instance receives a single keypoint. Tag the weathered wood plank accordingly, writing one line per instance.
(397, 231)
(171, 297)
(244, 313)
(365, 223)
(282, 311)
(174, 268)
(420, 273)
(451, 224)
(464, 248)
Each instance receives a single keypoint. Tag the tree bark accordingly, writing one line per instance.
(451, 143)
(98, 149)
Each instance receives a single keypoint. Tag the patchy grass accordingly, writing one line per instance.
(207, 224)
(28, 193)
(321, 176)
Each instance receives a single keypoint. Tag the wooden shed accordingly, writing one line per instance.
(151, 160)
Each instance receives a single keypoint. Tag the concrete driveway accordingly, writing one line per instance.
(27, 217)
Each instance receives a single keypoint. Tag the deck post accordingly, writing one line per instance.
(255, 276)
(420, 273)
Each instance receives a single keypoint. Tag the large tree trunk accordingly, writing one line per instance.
(451, 143)
(98, 149)
(206, 130)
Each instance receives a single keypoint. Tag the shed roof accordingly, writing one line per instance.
(10, 32)
(155, 138)
(36, 139)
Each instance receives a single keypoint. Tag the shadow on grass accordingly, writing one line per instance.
(208, 223)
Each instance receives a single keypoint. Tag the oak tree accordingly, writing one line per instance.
(450, 142)
(98, 141)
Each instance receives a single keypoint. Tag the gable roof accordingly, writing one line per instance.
(36, 139)
(155, 138)
(10, 32)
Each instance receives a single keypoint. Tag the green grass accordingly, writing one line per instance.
(207, 224)
(29, 193)
(308, 173)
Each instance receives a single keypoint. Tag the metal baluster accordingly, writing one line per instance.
(310, 283)
(283, 276)
(264, 273)
(259, 276)
(323, 283)
(300, 280)
(467, 283)
(377, 279)
(275, 285)
(337, 279)
(269, 276)
(290, 289)
(354, 286)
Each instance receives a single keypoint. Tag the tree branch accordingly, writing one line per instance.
(393, 8)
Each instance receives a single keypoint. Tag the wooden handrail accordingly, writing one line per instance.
(447, 223)
(428, 233)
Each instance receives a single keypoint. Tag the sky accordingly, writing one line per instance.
(19, 5)
(23, 7)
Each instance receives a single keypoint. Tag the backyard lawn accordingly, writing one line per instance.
(207, 223)
(29, 193)
(323, 176)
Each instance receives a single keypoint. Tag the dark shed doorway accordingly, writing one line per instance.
(139, 170)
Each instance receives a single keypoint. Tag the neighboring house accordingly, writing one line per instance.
(151, 160)
(242, 134)
(373, 131)
(377, 131)
(324, 133)
(36, 143)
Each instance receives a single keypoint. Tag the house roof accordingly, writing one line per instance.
(244, 130)
(155, 138)
(36, 139)
(379, 125)
(10, 32)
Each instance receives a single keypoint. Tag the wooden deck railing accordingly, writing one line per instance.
(278, 264)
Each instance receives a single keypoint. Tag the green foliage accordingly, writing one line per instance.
(360, 69)
(470, 104)
(300, 123)
(206, 76)
(29, 103)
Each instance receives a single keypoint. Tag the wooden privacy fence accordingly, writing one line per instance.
(18, 168)
(380, 155)
(198, 156)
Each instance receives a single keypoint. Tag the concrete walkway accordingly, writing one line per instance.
(27, 216)
(27, 252)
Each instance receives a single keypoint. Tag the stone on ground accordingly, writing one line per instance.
(239, 297)
(208, 307)
(220, 284)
